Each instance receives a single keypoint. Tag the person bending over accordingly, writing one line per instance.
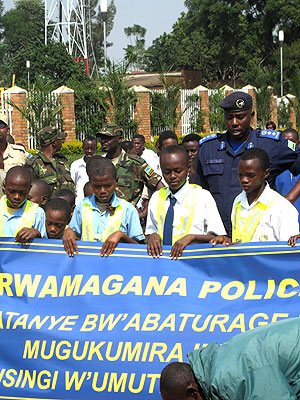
(58, 215)
(39, 193)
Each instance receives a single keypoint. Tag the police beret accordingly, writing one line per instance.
(49, 133)
(236, 101)
(110, 130)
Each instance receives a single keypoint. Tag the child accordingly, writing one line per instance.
(58, 214)
(20, 217)
(195, 215)
(103, 216)
(259, 213)
(87, 190)
(39, 192)
(67, 195)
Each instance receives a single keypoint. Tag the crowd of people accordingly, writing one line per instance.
(225, 188)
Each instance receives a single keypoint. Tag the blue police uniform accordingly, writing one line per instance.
(218, 163)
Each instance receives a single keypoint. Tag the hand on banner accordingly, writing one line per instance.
(180, 245)
(111, 243)
(224, 240)
(26, 234)
(293, 239)
(154, 246)
(69, 241)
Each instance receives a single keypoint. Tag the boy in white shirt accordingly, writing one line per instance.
(195, 215)
(259, 213)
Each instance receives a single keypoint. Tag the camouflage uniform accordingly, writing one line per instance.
(55, 172)
(133, 173)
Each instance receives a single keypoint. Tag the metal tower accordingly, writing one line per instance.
(65, 21)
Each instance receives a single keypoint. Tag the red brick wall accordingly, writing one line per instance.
(18, 124)
(142, 114)
(204, 105)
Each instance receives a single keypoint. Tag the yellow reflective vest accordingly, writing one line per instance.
(27, 219)
(113, 224)
(250, 225)
(184, 226)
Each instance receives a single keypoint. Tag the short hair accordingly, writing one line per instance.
(90, 139)
(18, 171)
(66, 194)
(59, 204)
(259, 154)
(138, 136)
(86, 188)
(192, 137)
(174, 375)
(100, 166)
(166, 135)
(127, 145)
(272, 124)
(175, 149)
(42, 186)
(290, 130)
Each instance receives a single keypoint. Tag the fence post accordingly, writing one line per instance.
(17, 123)
(292, 99)
(204, 107)
(251, 90)
(142, 111)
(227, 90)
(68, 112)
(178, 129)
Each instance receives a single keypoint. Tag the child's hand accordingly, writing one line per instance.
(180, 245)
(224, 240)
(111, 243)
(69, 241)
(154, 246)
(293, 239)
(26, 234)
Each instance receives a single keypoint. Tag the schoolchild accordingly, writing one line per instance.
(39, 193)
(58, 215)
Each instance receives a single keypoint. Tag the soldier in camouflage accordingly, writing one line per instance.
(132, 171)
(47, 164)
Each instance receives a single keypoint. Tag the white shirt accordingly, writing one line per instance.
(79, 176)
(206, 217)
(151, 159)
(278, 223)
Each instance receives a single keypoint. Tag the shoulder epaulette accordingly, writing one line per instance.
(18, 147)
(208, 137)
(268, 133)
(136, 158)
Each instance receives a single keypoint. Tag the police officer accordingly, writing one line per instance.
(47, 164)
(219, 154)
(132, 171)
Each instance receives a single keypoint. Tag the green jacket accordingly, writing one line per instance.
(262, 364)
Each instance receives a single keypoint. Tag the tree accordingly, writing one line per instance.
(135, 51)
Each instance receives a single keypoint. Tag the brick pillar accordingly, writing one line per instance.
(178, 129)
(18, 124)
(204, 106)
(251, 90)
(273, 109)
(292, 99)
(68, 112)
(142, 111)
(227, 90)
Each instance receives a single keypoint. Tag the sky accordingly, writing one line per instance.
(157, 16)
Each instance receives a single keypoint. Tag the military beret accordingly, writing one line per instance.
(110, 130)
(4, 118)
(49, 133)
(236, 101)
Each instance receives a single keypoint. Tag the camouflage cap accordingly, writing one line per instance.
(4, 118)
(49, 133)
(110, 130)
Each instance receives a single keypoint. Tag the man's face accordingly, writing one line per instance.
(174, 169)
(238, 124)
(138, 145)
(103, 187)
(89, 148)
(56, 221)
(292, 137)
(4, 129)
(192, 149)
(110, 143)
(16, 189)
(251, 175)
(168, 142)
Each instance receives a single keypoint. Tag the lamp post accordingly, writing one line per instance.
(281, 40)
(28, 74)
(103, 8)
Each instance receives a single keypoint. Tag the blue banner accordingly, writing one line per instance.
(103, 328)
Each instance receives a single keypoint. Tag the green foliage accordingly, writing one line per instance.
(295, 89)
(216, 114)
(283, 113)
(120, 101)
(134, 52)
(43, 108)
(75, 148)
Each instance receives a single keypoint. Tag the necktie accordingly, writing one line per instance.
(168, 226)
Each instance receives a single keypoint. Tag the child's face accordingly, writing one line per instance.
(16, 189)
(251, 175)
(103, 187)
(174, 169)
(56, 222)
(36, 196)
(89, 148)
